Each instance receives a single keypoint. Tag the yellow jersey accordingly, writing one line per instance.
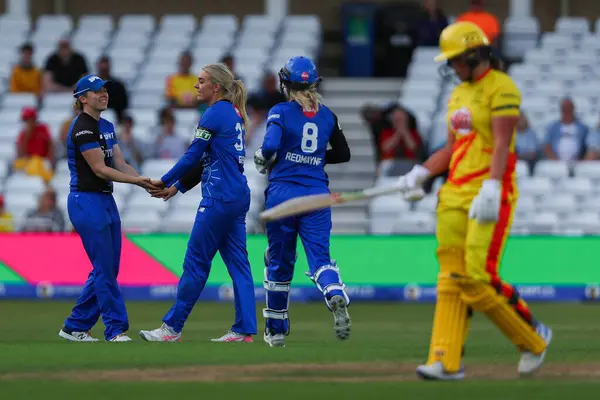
(181, 89)
(6, 222)
(471, 108)
(25, 80)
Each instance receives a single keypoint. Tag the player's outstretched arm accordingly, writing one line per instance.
(439, 162)
(191, 179)
(186, 163)
(121, 164)
(95, 159)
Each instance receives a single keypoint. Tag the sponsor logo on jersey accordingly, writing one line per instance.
(461, 121)
(302, 159)
(108, 135)
(202, 134)
(273, 116)
(81, 133)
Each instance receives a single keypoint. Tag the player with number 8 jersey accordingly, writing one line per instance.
(295, 153)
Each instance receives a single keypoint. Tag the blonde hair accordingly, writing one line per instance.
(308, 99)
(231, 88)
(78, 105)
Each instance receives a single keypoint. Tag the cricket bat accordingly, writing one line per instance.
(304, 204)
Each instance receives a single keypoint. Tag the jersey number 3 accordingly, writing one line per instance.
(239, 145)
(310, 133)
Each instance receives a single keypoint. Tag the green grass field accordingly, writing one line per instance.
(388, 341)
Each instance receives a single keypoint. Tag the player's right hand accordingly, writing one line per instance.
(410, 184)
(261, 163)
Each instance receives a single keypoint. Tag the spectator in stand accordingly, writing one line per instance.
(527, 144)
(168, 144)
(486, 21)
(394, 132)
(431, 24)
(25, 77)
(260, 103)
(64, 68)
(6, 220)
(35, 151)
(566, 138)
(132, 149)
(227, 59)
(46, 217)
(180, 91)
(118, 98)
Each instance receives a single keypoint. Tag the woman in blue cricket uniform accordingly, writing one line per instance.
(95, 161)
(295, 151)
(220, 225)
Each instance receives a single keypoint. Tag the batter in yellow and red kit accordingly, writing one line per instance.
(475, 208)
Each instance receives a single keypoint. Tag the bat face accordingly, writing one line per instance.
(300, 205)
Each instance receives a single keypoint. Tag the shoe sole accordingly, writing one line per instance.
(447, 377)
(528, 373)
(341, 318)
(230, 341)
(72, 338)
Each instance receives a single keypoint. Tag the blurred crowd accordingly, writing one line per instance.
(37, 153)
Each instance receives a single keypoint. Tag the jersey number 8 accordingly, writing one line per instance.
(239, 145)
(310, 133)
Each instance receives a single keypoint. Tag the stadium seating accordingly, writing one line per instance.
(144, 51)
(555, 197)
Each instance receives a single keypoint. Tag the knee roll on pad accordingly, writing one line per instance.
(484, 298)
(277, 304)
(327, 279)
(449, 325)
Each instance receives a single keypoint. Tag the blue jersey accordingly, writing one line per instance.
(84, 134)
(219, 145)
(300, 139)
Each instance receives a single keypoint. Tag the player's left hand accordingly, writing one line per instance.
(485, 207)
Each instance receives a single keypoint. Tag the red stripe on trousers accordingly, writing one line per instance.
(498, 238)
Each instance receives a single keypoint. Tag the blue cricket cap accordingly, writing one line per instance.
(88, 83)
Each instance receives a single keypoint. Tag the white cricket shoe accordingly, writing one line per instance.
(530, 362)
(436, 372)
(121, 337)
(341, 318)
(233, 337)
(274, 339)
(74, 336)
(163, 334)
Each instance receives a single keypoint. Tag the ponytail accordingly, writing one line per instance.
(238, 98)
(308, 99)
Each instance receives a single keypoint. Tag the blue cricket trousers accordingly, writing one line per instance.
(96, 218)
(219, 226)
(314, 229)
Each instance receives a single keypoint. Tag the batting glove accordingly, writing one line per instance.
(485, 207)
(261, 163)
(410, 184)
